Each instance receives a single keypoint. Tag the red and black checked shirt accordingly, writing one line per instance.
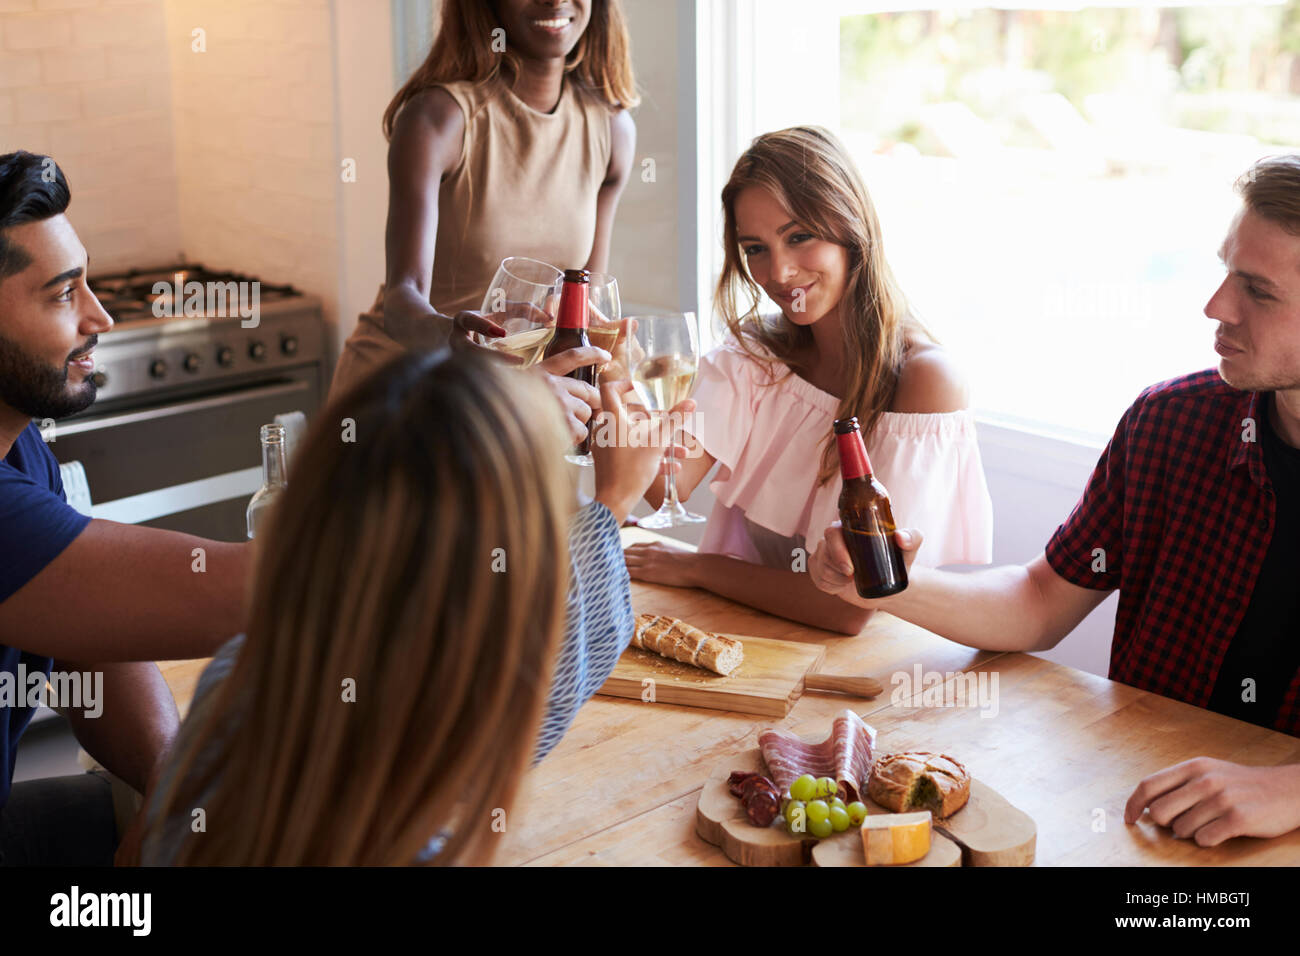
(1183, 512)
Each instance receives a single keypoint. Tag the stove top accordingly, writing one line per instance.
(188, 330)
(188, 290)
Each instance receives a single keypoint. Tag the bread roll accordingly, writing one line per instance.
(919, 780)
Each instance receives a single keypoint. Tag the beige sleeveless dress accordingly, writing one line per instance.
(525, 185)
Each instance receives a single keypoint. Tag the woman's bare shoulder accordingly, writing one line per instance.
(930, 382)
(431, 110)
(428, 137)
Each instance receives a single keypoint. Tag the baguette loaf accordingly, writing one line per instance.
(679, 641)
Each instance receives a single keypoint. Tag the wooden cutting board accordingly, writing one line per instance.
(988, 831)
(768, 681)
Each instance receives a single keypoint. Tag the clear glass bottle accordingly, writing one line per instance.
(273, 478)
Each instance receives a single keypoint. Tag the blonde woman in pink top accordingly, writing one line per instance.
(800, 226)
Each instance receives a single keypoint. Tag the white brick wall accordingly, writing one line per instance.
(87, 82)
(255, 129)
(227, 155)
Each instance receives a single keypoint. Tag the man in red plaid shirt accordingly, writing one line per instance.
(1193, 513)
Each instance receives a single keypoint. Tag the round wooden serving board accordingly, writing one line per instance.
(988, 831)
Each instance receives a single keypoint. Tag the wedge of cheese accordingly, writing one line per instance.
(891, 838)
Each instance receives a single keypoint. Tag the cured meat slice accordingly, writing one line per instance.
(845, 756)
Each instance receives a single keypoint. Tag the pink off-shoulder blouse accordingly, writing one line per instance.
(768, 439)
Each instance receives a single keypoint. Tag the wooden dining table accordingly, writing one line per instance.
(1065, 746)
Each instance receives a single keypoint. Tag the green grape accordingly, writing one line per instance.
(805, 788)
(857, 812)
(839, 818)
(826, 787)
(793, 807)
(817, 810)
(821, 829)
(837, 802)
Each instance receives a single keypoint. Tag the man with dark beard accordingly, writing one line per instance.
(79, 595)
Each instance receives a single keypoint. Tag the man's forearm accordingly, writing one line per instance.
(142, 594)
(999, 609)
(137, 719)
(788, 594)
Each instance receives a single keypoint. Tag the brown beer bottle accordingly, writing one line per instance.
(571, 332)
(866, 518)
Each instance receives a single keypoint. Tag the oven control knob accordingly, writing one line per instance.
(157, 369)
(100, 379)
(289, 344)
(191, 362)
(257, 350)
(225, 356)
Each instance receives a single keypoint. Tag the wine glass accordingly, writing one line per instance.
(522, 299)
(604, 311)
(668, 348)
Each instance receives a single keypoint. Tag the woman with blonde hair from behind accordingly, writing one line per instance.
(407, 613)
(801, 227)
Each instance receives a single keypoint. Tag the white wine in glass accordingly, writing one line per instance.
(602, 337)
(605, 312)
(527, 346)
(669, 350)
(663, 381)
(522, 300)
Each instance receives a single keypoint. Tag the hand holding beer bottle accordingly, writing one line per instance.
(571, 333)
(866, 520)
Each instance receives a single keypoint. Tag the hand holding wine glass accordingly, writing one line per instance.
(628, 447)
(415, 324)
(664, 375)
(624, 354)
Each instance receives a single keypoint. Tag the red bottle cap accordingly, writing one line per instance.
(854, 462)
(573, 299)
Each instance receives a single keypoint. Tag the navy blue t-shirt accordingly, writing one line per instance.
(36, 524)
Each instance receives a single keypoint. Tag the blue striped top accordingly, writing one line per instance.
(598, 623)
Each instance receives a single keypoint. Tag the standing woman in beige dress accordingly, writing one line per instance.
(511, 139)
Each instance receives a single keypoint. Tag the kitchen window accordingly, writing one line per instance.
(414, 25)
(1053, 182)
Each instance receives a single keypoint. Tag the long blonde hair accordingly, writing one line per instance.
(809, 172)
(424, 563)
(464, 50)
